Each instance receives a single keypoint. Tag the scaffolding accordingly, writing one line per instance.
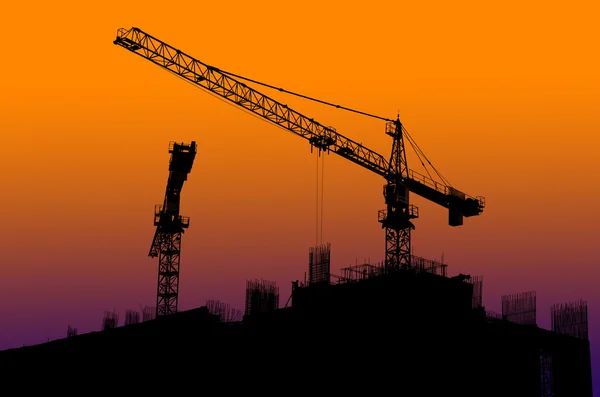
(222, 310)
(477, 300)
(319, 267)
(520, 308)
(424, 265)
(71, 331)
(362, 272)
(148, 313)
(110, 320)
(261, 296)
(570, 319)
(367, 270)
(494, 316)
(132, 317)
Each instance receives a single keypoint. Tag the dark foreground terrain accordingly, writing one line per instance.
(405, 333)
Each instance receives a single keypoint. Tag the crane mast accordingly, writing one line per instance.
(170, 225)
(396, 218)
(400, 180)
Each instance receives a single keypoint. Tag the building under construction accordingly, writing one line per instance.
(403, 326)
(415, 330)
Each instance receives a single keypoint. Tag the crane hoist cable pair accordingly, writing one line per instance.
(396, 218)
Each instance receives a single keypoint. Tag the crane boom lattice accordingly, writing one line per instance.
(400, 180)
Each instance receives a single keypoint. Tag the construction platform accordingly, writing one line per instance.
(405, 332)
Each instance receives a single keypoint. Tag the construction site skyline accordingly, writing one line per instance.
(417, 301)
(95, 165)
(261, 296)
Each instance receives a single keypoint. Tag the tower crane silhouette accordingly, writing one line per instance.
(399, 213)
(170, 225)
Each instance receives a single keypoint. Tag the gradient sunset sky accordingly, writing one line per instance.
(504, 99)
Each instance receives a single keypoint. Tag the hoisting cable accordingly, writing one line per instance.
(319, 222)
(322, 193)
(300, 95)
(317, 207)
(422, 156)
(444, 180)
(410, 141)
(418, 150)
(409, 138)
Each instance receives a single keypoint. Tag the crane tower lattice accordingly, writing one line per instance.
(170, 226)
(400, 180)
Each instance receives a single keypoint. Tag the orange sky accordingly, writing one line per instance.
(504, 100)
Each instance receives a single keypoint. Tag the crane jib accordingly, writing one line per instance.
(219, 82)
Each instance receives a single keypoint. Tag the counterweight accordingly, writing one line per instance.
(170, 226)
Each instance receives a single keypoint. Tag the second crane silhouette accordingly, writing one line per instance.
(169, 227)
